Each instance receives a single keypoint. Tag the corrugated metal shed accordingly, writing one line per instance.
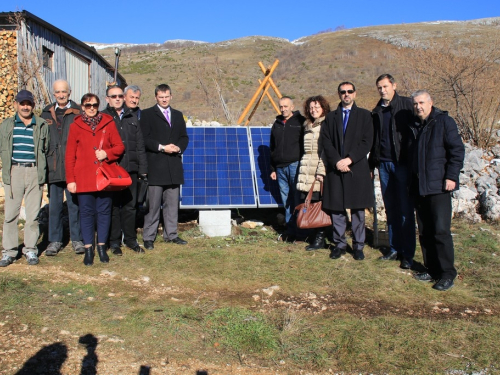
(63, 57)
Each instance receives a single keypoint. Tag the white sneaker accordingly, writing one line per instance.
(32, 258)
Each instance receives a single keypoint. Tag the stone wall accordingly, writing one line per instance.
(8, 72)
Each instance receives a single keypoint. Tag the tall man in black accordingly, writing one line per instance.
(59, 116)
(436, 157)
(134, 162)
(347, 137)
(391, 117)
(166, 138)
(287, 148)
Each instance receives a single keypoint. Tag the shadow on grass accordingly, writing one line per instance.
(50, 359)
(47, 360)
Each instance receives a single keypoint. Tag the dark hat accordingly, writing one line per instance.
(25, 95)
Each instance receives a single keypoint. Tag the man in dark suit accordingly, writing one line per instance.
(165, 137)
(347, 137)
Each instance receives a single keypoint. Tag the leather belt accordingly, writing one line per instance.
(27, 165)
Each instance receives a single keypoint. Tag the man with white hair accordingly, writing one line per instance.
(436, 156)
(59, 116)
(132, 97)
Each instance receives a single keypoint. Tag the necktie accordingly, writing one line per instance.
(165, 112)
(346, 118)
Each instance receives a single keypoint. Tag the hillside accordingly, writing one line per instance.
(309, 66)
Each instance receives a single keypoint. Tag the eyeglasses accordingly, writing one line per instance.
(343, 92)
(115, 96)
(91, 105)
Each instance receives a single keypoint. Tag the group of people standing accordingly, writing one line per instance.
(65, 147)
(418, 152)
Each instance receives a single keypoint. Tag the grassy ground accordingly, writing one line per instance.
(249, 304)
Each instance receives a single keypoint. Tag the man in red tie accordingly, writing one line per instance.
(166, 138)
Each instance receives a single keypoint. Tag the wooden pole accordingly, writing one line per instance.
(263, 68)
(258, 102)
(264, 82)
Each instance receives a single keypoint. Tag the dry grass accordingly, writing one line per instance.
(205, 303)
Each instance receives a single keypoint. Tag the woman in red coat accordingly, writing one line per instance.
(83, 157)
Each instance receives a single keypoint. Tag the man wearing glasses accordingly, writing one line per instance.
(24, 140)
(59, 116)
(135, 163)
(347, 138)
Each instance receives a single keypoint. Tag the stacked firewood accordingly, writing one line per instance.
(8, 72)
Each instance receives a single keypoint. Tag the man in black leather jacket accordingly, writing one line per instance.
(135, 163)
(390, 124)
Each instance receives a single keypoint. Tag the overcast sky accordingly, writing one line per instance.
(144, 21)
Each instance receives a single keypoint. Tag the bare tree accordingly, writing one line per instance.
(464, 78)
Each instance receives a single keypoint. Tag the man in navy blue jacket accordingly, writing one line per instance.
(436, 155)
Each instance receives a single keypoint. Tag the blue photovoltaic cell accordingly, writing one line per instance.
(218, 169)
(268, 193)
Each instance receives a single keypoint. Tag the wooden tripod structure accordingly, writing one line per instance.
(263, 91)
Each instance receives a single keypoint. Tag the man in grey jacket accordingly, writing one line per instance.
(24, 140)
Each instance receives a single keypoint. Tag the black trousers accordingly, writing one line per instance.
(123, 215)
(434, 227)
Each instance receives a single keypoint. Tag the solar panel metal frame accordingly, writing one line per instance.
(273, 184)
(251, 175)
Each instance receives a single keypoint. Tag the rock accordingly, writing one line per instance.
(486, 183)
(249, 224)
(197, 123)
(474, 160)
(214, 123)
(490, 206)
(189, 123)
(270, 291)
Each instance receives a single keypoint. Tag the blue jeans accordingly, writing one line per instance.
(399, 209)
(56, 191)
(287, 181)
(95, 208)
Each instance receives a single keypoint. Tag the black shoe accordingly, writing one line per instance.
(424, 276)
(391, 255)
(178, 241)
(443, 285)
(336, 252)
(149, 245)
(405, 265)
(88, 258)
(115, 250)
(319, 242)
(135, 247)
(359, 255)
(103, 256)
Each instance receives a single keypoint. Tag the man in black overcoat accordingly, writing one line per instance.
(165, 137)
(347, 138)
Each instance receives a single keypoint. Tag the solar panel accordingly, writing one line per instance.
(268, 193)
(218, 169)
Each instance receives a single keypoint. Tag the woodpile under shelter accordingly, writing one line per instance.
(34, 53)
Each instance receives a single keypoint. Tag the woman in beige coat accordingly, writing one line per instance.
(311, 166)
